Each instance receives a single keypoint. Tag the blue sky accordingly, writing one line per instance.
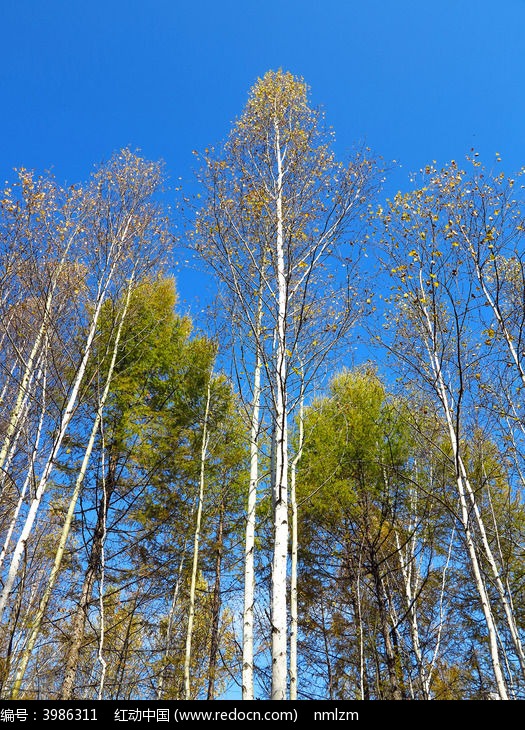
(415, 81)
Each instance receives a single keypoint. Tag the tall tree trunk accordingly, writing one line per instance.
(27, 375)
(169, 629)
(249, 546)
(354, 591)
(93, 570)
(37, 620)
(191, 611)
(326, 647)
(280, 486)
(294, 622)
(394, 687)
(102, 572)
(67, 415)
(216, 606)
(120, 670)
(30, 468)
(465, 495)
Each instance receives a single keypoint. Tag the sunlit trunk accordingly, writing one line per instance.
(280, 486)
(194, 570)
(37, 619)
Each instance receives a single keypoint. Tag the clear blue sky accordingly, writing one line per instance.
(415, 81)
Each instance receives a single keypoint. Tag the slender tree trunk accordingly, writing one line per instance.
(354, 590)
(30, 395)
(410, 597)
(120, 670)
(44, 479)
(30, 470)
(27, 375)
(463, 485)
(294, 622)
(280, 486)
(216, 606)
(326, 646)
(37, 621)
(93, 570)
(191, 612)
(105, 506)
(249, 546)
(169, 629)
(364, 687)
(394, 688)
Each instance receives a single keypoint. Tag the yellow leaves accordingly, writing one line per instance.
(490, 334)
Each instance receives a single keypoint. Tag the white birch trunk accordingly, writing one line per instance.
(463, 486)
(44, 479)
(191, 612)
(406, 572)
(294, 622)
(507, 601)
(280, 486)
(30, 362)
(105, 506)
(169, 629)
(37, 621)
(30, 468)
(23, 414)
(249, 547)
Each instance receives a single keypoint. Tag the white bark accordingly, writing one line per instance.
(29, 364)
(191, 611)
(64, 424)
(30, 469)
(465, 492)
(105, 506)
(294, 616)
(37, 620)
(280, 486)
(507, 601)
(169, 629)
(249, 547)
(406, 572)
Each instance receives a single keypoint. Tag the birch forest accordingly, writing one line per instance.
(316, 492)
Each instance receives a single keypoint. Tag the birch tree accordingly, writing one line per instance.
(442, 336)
(94, 239)
(276, 205)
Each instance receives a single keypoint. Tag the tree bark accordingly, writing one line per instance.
(280, 486)
(93, 570)
(249, 546)
(37, 621)
(216, 606)
(191, 611)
